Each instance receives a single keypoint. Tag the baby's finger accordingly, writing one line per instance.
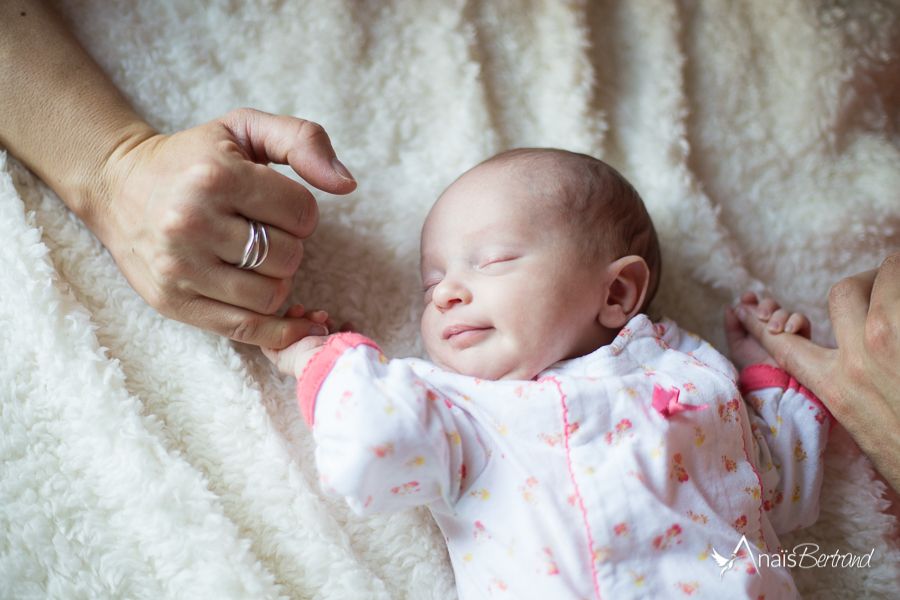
(317, 316)
(778, 320)
(798, 323)
(295, 312)
(734, 331)
(748, 298)
(765, 308)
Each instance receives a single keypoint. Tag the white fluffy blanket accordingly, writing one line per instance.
(143, 458)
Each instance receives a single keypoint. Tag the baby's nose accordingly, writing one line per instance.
(450, 292)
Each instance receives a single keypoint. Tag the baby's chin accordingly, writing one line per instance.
(490, 372)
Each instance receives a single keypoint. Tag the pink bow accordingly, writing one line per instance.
(666, 402)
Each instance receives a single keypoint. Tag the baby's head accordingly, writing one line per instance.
(532, 257)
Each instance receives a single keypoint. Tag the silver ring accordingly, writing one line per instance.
(257, 248)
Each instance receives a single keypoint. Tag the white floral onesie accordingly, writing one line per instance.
(612, 475)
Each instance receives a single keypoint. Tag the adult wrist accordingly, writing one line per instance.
(96, 195)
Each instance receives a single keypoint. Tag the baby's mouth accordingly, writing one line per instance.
(464, 335)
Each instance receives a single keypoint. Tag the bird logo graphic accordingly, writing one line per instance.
(727, 563)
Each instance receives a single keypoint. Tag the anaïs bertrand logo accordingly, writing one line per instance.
(803, 556)
(727, 563)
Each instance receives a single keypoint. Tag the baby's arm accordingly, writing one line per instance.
(789, 424)
(385, 438)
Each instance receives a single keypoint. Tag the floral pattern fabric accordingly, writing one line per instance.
(613, 475)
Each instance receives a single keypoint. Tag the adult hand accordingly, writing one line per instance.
(177, 220)
(173, 210)
(859, 381)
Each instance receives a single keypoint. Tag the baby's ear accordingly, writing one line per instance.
(626, 280)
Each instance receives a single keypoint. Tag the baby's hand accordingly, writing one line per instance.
(745, 348)
(293, 359)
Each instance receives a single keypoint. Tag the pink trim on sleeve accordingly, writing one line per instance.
(757, 377)
(317, 369)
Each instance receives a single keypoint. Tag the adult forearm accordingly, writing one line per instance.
(59, 113)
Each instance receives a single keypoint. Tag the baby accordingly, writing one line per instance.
(567, 446)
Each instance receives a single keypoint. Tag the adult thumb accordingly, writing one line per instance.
(302, 144)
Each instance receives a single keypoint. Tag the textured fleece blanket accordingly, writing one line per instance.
(143, 458)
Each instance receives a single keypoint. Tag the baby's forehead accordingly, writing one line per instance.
(497, 223)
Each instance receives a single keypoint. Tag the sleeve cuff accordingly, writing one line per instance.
(313, 376)
(757, 377)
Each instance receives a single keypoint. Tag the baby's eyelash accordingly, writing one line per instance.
(498, 259)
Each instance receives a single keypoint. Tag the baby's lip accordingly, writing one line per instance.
(453, 330)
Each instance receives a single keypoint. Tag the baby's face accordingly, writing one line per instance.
(507, 293)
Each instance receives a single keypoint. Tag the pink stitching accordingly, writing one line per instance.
(746, 452)
(562, 399)
(755, 472)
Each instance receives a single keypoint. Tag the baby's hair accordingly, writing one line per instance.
(595, 200)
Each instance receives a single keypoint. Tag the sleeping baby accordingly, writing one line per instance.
(567, 446)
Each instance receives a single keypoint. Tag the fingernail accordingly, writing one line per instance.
(317, 330)
(341, 170)
(762, 313)
(739, 312)
(789, 328)
(319, 316)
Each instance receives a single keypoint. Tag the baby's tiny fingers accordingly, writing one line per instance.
(778, 320)
(799, 324)
(766, 307)
(295, 312)
(748, 298)
(317, 316)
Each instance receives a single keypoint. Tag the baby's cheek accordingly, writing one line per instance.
(433, 340)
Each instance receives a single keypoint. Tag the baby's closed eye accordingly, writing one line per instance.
(497, 264)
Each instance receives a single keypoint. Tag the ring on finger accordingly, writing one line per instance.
(257, 248)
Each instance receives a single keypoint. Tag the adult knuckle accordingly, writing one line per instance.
(307, 218)
(840, 290)
(246, 329)
(892, 261)
(156, 299)
(243, 112)
(277, 297)
(167, 267)
(207, 177)
(310, 131)
(880, 334)
(784, 354)
(293, 255)
(179, 220)
(163, 301)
